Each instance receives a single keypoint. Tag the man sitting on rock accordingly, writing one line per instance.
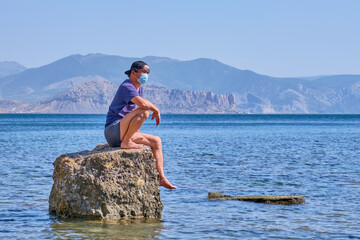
(128, 112)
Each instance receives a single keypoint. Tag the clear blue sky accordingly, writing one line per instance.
(276, 38)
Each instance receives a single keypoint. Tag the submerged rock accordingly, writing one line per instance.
(286, 200)
(106, 182)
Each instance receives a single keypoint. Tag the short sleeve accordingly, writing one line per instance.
(128, 92)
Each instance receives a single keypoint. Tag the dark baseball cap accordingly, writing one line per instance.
(137, 65)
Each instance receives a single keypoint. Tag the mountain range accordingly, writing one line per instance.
(252, 92)
(95, 97)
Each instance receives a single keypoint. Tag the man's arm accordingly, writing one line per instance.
(147, 105)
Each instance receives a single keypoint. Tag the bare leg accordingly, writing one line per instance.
(156, 147)
(131, 124)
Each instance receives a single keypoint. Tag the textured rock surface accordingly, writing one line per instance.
(286, 200)
(106, 183)
(178, 101)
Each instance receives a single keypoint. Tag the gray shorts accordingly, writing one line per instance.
(112, 134)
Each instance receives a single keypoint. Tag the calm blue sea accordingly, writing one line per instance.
(316, 156)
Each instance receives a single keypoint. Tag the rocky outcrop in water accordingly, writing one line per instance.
(285, 200)
(106, 182)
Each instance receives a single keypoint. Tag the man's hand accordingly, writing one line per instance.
(156, 115)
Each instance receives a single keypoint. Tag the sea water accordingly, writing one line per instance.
(316, 156)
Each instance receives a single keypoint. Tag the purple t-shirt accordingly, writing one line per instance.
(121, 104)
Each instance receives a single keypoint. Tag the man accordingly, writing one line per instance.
(128, 112)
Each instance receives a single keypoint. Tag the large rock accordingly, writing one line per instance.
(106, 183)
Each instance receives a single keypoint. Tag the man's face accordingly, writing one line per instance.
(145, 70)
(138, 72)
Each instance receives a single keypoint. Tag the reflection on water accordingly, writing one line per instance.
(106, 229)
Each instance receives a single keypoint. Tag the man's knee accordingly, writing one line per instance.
(144, 114)
(157, 141)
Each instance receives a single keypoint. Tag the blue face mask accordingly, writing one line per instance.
(143, 78)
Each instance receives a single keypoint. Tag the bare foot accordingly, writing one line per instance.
(130, 145)
(166, 184)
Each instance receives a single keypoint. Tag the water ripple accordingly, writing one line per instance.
(312, 155)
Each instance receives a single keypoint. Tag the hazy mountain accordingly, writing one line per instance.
(9, 68)
(199, 75)
(96, 96)
(12, 106)
(311, 78)
(35, 84)
(255, 93)
(336, 94)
